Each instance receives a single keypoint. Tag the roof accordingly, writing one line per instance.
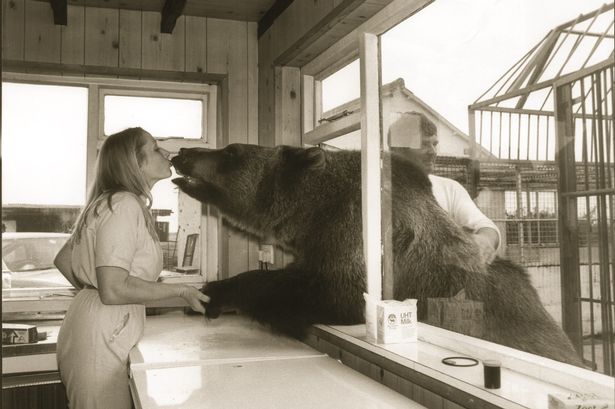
(400, 85)
(579, 44)
(389, 89)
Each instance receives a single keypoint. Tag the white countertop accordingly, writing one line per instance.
(176, 337)
(315, 382)
(232, 362)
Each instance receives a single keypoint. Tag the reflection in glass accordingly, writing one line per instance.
(502, 157)
(165, 211)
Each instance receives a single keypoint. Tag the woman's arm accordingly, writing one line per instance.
(64, 264)
(116, 286)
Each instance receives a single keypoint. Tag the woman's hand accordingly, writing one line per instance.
(193, 297)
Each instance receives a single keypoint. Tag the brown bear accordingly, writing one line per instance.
(308, 201)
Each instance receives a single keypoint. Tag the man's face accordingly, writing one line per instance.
(408, 134)
(427, 152)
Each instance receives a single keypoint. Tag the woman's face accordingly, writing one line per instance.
(155, 165)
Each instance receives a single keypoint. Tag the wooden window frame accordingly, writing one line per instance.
(34, 302)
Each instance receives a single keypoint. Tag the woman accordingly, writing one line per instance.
(115, 258)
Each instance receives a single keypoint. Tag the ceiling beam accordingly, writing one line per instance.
(171, 11)
(269, 17)
(60, 11)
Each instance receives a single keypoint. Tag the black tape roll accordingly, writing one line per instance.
(469, 361)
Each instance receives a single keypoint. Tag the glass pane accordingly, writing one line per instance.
(341, 87)
(162, 117)
(350, 141)
(152, 114)
(510, 175)
(165, 211)
(44, 136)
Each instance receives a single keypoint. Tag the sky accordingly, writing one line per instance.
(452, 51)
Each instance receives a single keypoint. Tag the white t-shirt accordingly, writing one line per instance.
(453, 198)
(117, 238)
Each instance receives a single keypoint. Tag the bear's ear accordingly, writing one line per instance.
(301, 159)
(233, 150)
(314, 158)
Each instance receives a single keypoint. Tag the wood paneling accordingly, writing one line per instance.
(247, 10)
(297, 21)
(266, 91)
(227, 51)
(161, 51)
(288, 112)
(130, 43)
(101, 36)
(42, 37)
(252, 65)
(48, 396)
(13, 26)
(73, 43)
(252, 82)
(30, 391)
(218, 46)
(196, 44)
(237, 63)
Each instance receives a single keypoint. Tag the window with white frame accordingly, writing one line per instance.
(52, 128)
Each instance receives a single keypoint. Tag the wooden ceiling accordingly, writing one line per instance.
(262, 11)
(247, 10)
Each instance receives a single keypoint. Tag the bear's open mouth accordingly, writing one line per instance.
(189, 179)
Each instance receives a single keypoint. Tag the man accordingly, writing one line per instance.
(415, 133)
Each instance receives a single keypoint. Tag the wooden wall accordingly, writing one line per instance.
(119, 39)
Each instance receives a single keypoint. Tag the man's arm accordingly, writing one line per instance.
(465, 212)
(488, 240)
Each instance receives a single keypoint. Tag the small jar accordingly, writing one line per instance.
(491, 370)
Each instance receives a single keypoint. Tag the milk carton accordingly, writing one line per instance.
(397, 321)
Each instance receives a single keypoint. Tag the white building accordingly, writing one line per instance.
(397, 99)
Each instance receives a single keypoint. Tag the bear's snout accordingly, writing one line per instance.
(181, 161)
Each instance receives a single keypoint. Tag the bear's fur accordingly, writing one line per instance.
(309, 202)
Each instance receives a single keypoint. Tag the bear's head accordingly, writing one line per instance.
(240, 178)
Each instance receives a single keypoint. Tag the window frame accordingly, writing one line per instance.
(171, 143)
(357, 45)
(49, 300)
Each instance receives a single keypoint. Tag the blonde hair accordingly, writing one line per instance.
(117, 170)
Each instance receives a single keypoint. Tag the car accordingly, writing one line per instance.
(27, 260)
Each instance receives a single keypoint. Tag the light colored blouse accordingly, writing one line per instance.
(454, 198)
(117, 238)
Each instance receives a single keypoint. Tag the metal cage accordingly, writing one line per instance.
(547, 126)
